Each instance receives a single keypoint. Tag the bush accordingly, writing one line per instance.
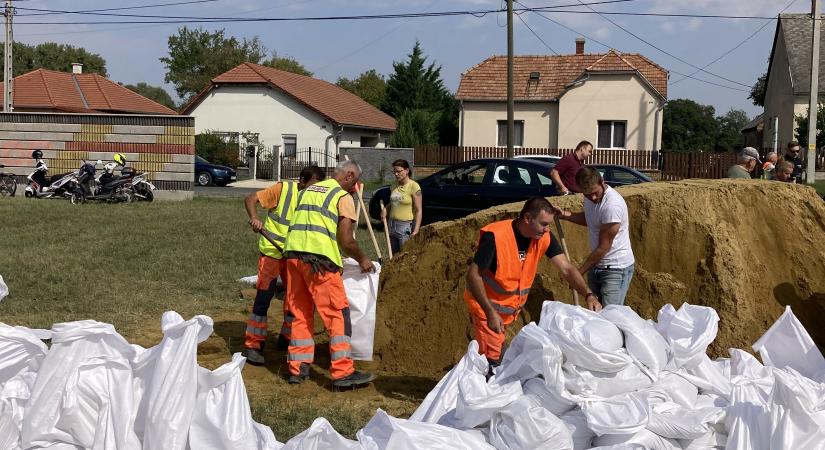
(213, 148)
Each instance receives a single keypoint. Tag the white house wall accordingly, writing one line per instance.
(618, 97)
(479, 127)
(779, 99)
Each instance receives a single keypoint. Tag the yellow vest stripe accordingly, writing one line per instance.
(276, 225)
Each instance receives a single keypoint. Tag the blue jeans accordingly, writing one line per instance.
(400, 232)
(610, 285)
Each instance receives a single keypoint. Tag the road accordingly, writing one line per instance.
(218, 191)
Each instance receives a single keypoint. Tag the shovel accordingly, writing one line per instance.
(566, 252)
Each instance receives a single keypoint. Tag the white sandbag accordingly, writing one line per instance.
(531, 353)
(798, 420)
(709, 376)
(384, 432)
(788, 344)
(585, 338)
(743, 364)
(622, 414)
(168, 376)
(21, 349)
(73, 345)
(643, 343)
(444, 395)
(590, 383)
(523, 426)
(688, 332)
(711, 441)
(4, 290)
(320, 436)
(710, 400)
(581, 435)
(222, 418)
(671, 420)
(643, 438)
(671, 387)
(98, 405)
(14, 396)
(552, 398)
(362, 292)
(748, 420)
(478, 400)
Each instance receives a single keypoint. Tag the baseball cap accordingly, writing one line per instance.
(750, 151)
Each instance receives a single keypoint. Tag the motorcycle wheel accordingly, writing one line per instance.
(148, 196)
(29, 194)
(77, 198)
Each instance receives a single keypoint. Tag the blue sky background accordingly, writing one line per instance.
(347, 48)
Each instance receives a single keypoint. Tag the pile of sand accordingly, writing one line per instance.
(746, 249)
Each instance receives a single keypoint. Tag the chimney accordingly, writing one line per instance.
(579, 45)
(77, 68)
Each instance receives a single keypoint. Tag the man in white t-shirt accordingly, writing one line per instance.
(610, 265)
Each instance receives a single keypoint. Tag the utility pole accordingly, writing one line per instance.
(810, 155)
(510, 127)
(8, 100)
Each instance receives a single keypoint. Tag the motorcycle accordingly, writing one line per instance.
(38, 185)
(107, 187)
(142, 187)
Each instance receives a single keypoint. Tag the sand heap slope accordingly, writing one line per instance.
(745, 248)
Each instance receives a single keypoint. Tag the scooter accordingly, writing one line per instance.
(141, 187)
(38, 185)
(107, 187)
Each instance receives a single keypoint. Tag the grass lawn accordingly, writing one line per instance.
(820, 187)
(127, 264)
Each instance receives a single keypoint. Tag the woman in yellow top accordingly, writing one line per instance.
(405, 205)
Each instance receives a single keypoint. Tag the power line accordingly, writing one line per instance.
(87, 11)
(737, 45)
(663, 50)
(589, 38)
(536, 35)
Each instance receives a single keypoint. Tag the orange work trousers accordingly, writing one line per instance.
(324, 292)
(490, 343)
(269, 269)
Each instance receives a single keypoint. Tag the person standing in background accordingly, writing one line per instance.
(564, 172)
(405, 210)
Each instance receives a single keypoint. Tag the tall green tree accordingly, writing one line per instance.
(53, 56)
(196, 56)
(416, 127)
(802, 127)
(370, 86)
(155, 93)
(415, 85)
(688, 127)
(730, 130)
(286, 63)
(757, 94)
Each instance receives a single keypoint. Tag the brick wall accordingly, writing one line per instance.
(163, 146)
(375, 162)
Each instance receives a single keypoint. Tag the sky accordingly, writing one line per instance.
(333, 49)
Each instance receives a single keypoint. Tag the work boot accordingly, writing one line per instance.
(254, 356)
(283, 343)
(353, 380)
(303, 375)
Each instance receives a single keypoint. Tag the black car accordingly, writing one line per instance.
(207, 173)
(471, 186)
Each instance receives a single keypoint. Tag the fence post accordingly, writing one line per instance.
(276, 162)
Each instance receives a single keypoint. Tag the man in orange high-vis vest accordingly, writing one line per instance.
(503, 269)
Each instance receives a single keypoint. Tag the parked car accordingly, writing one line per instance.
(545, 158)
(207, 173)
(471, 186)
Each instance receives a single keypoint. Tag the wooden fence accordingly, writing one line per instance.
(677, 166)
(445, 155)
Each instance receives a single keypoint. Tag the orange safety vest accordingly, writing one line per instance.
(507, 289)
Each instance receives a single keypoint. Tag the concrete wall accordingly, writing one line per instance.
(780, 101)
(376, 162)
(619, 97)
(163, 146)
(479, 126)
(272, 114)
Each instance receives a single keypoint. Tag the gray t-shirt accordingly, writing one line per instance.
(611, 209)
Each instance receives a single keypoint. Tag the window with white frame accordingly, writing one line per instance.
(612, 134)
(518, 133)
(290, 144)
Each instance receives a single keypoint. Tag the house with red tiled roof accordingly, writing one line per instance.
(290, 110)
(612, 99)
(45, 90)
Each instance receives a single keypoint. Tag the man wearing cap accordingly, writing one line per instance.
(745, 163)
(794, 156)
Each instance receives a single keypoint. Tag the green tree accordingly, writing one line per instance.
(370, 86)
(802, 128)
(155, 93)
(196, 56)
(286, 63)
(730, 130)
(53, 56)
(414, 85)
(688, 127)
(758, 90)
(416, 127)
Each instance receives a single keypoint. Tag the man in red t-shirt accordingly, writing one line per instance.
(564, 173)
